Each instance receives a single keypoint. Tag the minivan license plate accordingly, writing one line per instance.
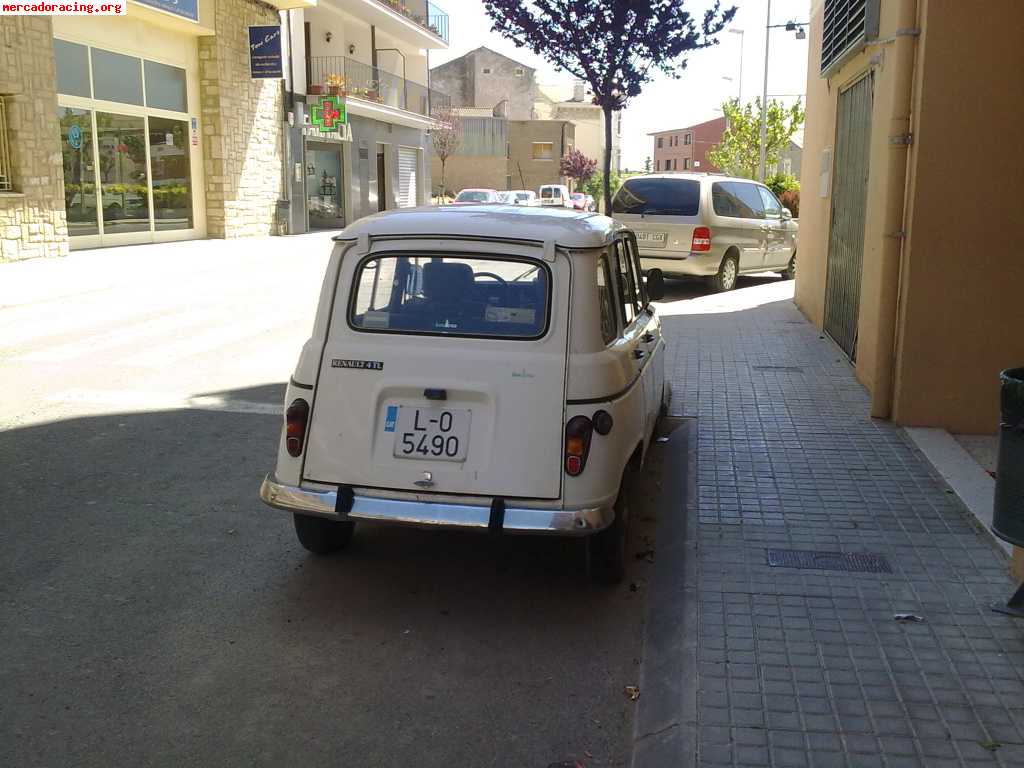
(440, 434)
(652, 239)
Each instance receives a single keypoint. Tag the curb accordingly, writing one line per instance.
(664, 728)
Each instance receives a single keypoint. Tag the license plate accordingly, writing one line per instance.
(652, 239)
(439, 434)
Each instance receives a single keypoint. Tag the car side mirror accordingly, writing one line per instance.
(655, 285)
(786, 214)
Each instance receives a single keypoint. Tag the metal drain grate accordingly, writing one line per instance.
(789, 368)
(861, 562)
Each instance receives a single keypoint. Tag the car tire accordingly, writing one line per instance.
(789, 273)
(725, 279)
(606, 550)
(322, 536)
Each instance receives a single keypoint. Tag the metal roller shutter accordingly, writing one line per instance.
(408, 182)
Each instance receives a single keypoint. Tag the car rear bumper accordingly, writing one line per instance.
(685, 263)
(431, 514)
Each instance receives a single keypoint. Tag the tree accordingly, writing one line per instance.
(446, 137)
(577, 166)
(594, 186)
(738, 153)
(614, 45)
(647, 164)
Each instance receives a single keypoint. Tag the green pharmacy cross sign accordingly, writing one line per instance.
(328, 114)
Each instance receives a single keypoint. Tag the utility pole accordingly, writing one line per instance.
(764, 97)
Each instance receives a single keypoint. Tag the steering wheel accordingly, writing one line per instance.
(499, 278)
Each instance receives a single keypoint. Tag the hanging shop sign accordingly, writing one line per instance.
(265, 60)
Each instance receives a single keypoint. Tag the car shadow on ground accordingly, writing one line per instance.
(148, 591)
(679, 289)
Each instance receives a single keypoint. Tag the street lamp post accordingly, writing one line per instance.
(739, 89)
(789, 26)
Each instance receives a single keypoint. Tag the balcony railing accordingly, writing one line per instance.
(435, 19)
(347, 77)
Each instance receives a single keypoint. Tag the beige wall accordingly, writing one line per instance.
(462, 171)
(962, 317)
(526, 172)
(941, 315)
(241, 120)
(32, 220)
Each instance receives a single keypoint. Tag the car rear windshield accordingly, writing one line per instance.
(451, 296)
(550, 192)
(671, 197)
(473, 197)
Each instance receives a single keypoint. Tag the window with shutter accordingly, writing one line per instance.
(846, 26)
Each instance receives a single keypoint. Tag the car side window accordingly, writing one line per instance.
(750, 196)
(606, 298)
(772, 207)
(638, 273)
(627, 286)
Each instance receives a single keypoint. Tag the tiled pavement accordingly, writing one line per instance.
(809, 667)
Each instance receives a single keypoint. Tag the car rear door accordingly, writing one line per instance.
(435, 381)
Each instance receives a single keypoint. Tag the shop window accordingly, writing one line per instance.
(543, 150)
(172, 173)
(124, 183)
(72, 68)
(116, 77)
(165, 87)
(76, 148)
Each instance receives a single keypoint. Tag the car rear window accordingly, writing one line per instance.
(673, 197)
(451, 296)
(550, 192)
(473, 197)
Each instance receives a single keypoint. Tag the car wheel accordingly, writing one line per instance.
(322, 536)
(728, 270)
(789, 273)
(606, 551)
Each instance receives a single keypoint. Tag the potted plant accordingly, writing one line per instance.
(314, 90)
(335, 84)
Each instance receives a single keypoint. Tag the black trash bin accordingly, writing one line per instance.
(1008, 511)
(1008, 515)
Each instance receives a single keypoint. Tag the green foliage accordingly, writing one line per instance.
(594, 186)
(738, 154)
(790, 198)
(647, 164)
(782, 182)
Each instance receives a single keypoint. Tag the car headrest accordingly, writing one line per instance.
(447, 282)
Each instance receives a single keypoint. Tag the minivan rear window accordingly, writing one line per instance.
(672, 197)
(451, 296)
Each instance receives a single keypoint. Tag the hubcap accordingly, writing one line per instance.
(729, 273)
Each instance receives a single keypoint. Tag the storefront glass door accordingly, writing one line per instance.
(324, 182)
(124, 181)
(79, 171)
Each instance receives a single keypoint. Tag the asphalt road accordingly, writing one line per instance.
(154, 612)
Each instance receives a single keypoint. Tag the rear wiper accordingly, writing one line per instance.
(665, 211)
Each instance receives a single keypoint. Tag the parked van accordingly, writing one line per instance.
(488, 367)
(555, 195)
(709, 225)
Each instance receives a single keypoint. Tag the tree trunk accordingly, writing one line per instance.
(442, 180)
(607, 160)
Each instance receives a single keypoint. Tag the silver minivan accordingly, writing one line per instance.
(707, 225)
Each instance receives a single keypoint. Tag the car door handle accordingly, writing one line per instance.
(639, 354)
(647, 338)
(435, 394)
(766, 228)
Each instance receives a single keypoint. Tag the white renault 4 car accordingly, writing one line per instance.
(486, 367)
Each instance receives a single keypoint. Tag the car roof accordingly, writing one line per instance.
(477, 189)
(560, 226)
(695, 175)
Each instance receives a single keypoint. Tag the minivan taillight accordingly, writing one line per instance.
(577, 444)
(296, 418)
(701, 239)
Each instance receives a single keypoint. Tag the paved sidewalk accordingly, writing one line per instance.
(796, 667)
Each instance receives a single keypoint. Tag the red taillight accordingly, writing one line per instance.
(577, 444)
(296, 418)
(701, 239)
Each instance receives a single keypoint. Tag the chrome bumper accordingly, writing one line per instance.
(430, 514)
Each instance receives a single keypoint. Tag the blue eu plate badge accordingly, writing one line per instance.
(390, 418)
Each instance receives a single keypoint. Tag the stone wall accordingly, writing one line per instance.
(32, 218)
(241, 117)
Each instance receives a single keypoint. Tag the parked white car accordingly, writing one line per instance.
(441, 387)
(556, 195)
(474, 196)
(523, 197)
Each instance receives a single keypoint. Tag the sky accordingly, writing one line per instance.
(667, 103)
